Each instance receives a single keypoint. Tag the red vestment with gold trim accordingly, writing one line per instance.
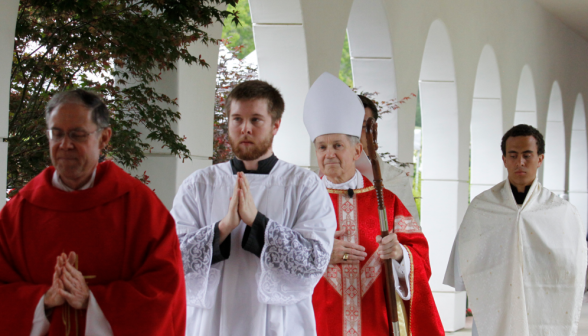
(349, 299)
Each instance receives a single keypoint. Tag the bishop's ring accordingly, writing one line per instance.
(345, 256)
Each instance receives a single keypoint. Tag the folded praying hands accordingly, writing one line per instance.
(241, 208)
(68, 285)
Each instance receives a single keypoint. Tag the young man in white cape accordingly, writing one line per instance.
(520, 253)
(255, 232)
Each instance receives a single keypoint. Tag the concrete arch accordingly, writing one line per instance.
(578, 181)
(294, 47)
(486, 125)
(554, 166)
(526, 107)
(372, 65)
(442, 191)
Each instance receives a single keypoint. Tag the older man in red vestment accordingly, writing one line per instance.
(350, 298)
(122, 274)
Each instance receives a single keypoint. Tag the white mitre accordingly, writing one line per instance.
(332, 107)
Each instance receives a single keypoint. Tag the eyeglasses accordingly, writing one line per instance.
(78, 136)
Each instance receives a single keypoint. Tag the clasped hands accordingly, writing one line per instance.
(241, 208)
(389, 248)
(68, 285)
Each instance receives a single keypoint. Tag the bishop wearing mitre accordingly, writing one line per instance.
(350, 297)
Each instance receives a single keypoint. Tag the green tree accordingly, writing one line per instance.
(117, 48)
(345, 67)
(239, 35)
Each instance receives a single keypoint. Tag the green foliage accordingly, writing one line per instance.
(416, 185)
(417, 121)
(345, 74)
(239, 36)
(116, 48)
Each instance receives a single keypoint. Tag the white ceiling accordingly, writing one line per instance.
(573, 13)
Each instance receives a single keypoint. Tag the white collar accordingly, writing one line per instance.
(57, 183)
(356, 182)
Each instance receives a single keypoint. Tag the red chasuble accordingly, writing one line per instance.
(349, 299)
(125, 240)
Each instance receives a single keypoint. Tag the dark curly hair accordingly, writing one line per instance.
(368, 103)
(524, 130)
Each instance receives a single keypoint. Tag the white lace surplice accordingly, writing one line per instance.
(247, 295)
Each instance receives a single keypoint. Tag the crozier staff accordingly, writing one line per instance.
(371, 135)
(350, 297)
(520, 252)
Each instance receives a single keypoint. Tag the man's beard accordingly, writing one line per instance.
(252, 152)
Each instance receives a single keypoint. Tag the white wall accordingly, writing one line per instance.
(486, 125)
(578, 181)
(370, 50)
(526, 109)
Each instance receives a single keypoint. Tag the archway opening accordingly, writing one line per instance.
(486, 126)
(554, 166)
(526, 107)
(370, 51)
(578, 182)
(441, 189)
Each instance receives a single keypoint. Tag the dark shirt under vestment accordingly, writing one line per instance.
(254, 235)
(519, 196)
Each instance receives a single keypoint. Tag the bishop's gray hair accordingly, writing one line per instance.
(353, 140)
(93, 102)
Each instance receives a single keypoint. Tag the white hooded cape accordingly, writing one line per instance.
(523, 267)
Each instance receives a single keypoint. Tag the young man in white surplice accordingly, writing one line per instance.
(520, 252)
(256, 232)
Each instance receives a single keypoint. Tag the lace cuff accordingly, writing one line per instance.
(201, 279)
(291, 265)
(254, 235)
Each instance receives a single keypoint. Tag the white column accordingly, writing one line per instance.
(526, 108)
(444, 195)
(444, 190)
(8, 15)
(370, 49)
(554, 166)
(578, 182)
(486, 130)
(194, 86)
(294, 47)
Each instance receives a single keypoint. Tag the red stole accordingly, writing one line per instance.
(124, 237)
(349, 299)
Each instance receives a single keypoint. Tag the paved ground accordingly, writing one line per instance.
(582, 327)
